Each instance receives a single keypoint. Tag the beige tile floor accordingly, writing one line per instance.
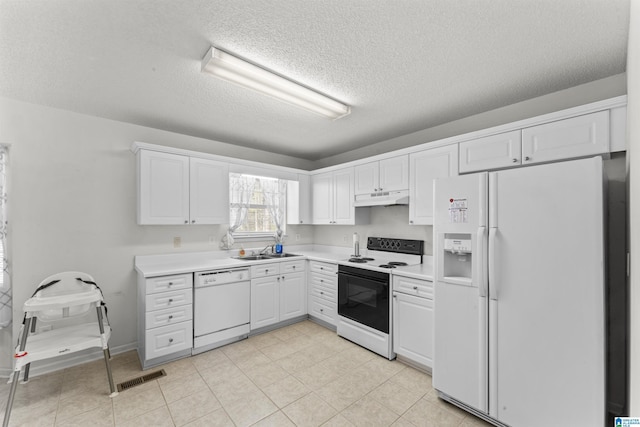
(299, 375)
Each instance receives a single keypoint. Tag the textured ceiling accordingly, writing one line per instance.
(402, 65)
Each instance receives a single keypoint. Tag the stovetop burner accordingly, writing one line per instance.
(399, 263)
(360, 260)
(387, 266)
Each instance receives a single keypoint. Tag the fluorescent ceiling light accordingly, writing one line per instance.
(228, 67)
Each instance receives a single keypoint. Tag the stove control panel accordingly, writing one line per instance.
(401, 246)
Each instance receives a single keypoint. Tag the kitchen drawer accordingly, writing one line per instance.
(264, 270)
(169, 283)
(292, 266)
(329, 282)
(323, 293)
(322, 310)
(168, 299)
(168, 339)
(407, 285)
(323, 267)
(168, 316)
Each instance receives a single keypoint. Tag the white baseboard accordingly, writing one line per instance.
(62, 362)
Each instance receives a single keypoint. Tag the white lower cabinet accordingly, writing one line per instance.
(323, 290)
(278, 292)
(264, 301)
(413, 320)
(293, 296)
(165, 318)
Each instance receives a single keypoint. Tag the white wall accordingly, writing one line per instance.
(633, 141)
(579, 95)
(72, 205)
(390, 221)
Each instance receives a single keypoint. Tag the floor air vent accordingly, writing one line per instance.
(141, 380)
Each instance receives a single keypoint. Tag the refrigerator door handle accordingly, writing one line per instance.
(493, 289)
(480, 261)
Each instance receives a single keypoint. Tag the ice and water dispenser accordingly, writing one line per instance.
(457, 256)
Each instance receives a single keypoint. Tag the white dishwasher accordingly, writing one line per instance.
(221, 308)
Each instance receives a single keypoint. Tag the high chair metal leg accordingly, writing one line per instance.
(16, 373)
(107, 354)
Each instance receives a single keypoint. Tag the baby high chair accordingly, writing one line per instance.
(57, 299)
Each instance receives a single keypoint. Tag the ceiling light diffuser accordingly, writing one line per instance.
(235, 70)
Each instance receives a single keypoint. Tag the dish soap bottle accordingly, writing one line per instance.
(241, 253)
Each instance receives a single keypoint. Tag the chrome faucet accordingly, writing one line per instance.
(264, 251)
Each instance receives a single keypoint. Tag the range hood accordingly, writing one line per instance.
(382, 198)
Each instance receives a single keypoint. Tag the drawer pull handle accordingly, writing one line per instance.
(170, 283)
(321, 268)
(527, 158)
(170, 340)
(321, 293)
(514, 160)
(415, 288)
(321, 281)
(322, 309)
(170, 300)
(294, 267)
(170, 316)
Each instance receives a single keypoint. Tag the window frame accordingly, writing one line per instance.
(259, 235)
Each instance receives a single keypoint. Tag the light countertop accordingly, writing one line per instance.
(181, 263)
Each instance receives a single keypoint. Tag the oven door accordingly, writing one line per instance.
(363, 296)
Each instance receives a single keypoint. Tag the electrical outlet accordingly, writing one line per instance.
(177, 242)
(297, 237)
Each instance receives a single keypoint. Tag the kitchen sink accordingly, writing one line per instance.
(252, 257)
(265, 256)
(283, 255)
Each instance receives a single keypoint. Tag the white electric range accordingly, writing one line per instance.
(364, 291)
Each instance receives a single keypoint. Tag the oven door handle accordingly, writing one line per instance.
(340, 273)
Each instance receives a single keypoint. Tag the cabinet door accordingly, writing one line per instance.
(491, 152)
(163, 188)
(293, 296)
(322, 193)
(576, 137)
(344, 211)
(366, 179)
(264, 301)
(413, 328)
(425, 167)
(299, 200)
(394, 173)
(209, 192)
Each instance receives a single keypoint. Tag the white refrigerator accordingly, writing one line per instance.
(519, 294)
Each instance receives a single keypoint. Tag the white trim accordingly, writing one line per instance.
(612, 103)
(235, 165)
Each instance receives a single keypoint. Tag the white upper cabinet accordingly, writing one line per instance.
(176, 189)
(384, 175)
(333, 197)
(322, 193)
(209, 192)
(491, 152)
(425, 166)
(299, 200)
(343, 209)
(580, 136)
(163, 188)
(564, 139)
